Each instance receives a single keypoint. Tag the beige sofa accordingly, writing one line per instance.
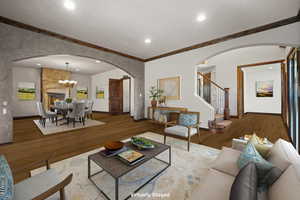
(217, 183)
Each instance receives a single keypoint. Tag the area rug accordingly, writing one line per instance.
(187, 171)
(51, 128)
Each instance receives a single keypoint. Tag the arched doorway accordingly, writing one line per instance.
(20, 44)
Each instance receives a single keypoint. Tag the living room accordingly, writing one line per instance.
(188, 125)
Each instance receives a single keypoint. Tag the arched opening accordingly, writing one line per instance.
(257, 77)
(107, 88)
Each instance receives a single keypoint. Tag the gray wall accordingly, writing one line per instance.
(16, 44)
(23, 74)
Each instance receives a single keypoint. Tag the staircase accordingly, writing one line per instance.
(218, 98)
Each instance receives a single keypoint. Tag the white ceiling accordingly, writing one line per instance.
(123, 25)
(84, 65)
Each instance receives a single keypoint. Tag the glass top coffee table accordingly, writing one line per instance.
(116, 168)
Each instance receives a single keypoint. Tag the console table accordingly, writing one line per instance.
(162, 115)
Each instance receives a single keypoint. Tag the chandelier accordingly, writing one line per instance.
(67, 83)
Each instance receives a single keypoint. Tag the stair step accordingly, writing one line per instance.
(224, 123)
(218, 116)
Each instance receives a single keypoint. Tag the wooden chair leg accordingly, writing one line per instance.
(165, 138)
(199, 135)
(74, 123)
(189, 138)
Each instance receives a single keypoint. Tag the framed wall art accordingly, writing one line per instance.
(171, 87)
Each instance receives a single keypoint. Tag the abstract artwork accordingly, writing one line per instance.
(26, 91)
(99, 93)
(82, 93)
(170, 87)
(264, 88)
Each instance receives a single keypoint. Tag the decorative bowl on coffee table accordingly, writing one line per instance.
(142, 143)
(114, 145)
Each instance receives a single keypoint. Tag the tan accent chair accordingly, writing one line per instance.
(184, 128)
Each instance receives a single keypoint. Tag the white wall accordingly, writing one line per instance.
(21, 74)
(102, 81)
(82, 81)
(262, 104)
(226, 66)
(184, 65)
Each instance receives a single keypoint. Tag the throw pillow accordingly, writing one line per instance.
(6, 180)
(187, 119)
(262, 149)
(245, 184)
(250, 154)
(283, 154)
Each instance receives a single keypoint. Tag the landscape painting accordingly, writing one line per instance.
(171, 87)
(82, 93)
(26, 91)
(99, 93)
(264, 88)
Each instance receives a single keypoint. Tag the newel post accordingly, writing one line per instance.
(226, 107)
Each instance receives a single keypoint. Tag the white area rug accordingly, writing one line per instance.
(51, 128)
(184, 175)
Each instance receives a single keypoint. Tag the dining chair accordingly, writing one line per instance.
(44, 115)
(89, 109)
(187, 125)
(77, 114)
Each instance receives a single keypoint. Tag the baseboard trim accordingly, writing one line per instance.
(24, 117)
(258, 113)
(95, 111)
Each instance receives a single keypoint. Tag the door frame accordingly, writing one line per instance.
(109, 97)
(130, 90)
(127, 78)
(240, 83)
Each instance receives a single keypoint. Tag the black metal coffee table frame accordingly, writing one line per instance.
(116, 178)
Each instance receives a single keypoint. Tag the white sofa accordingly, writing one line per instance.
(217, 184)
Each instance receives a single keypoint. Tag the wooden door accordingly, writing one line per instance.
(240, 92)
(115, 96)
(207, 88)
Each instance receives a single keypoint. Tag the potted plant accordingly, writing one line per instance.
(155, 94)
(68, 100)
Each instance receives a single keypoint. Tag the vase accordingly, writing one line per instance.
(153, 103)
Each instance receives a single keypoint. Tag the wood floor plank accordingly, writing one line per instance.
(30, 145)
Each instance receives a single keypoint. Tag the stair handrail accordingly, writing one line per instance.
(211, 81)
(226, 96)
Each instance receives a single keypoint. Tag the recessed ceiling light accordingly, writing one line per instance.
(97, 61)
(39, 64)
(270, 67)
(77, 69)
(147, 40)
(201, 18)
(70, 5)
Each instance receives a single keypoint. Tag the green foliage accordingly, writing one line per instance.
(155, 93)
(69, 100)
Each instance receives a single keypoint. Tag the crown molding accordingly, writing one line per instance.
(63, 37)
(258, 29)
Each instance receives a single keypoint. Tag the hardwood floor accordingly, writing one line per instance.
(30, 145)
